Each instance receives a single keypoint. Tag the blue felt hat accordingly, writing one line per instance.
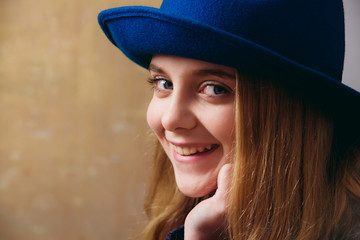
(304, 38)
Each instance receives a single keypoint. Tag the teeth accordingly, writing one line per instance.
(200, 149)
(186, 151)
(179, 150)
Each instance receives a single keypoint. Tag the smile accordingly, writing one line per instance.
(186, 151)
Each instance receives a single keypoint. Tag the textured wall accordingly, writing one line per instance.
(72, 125)
(351, 74)
(73, 136)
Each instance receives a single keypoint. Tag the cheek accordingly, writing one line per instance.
(153, 117)
(222, 128)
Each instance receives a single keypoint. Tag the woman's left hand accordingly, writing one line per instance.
(208, 219)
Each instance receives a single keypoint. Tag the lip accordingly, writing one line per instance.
(188, 144)
(195, 157)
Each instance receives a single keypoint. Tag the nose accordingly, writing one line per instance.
(179, 113)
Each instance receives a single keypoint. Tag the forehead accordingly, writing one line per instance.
(170, 64)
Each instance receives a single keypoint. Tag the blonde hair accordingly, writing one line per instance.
(290, 181)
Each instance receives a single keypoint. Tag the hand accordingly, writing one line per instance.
(208, 219)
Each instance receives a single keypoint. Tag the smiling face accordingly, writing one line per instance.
(192, 114)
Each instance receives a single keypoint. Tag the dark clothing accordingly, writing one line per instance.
(354, 234)
(176, 234)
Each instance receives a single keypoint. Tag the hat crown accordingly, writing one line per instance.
(310, 32)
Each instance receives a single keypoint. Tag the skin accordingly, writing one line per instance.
(193, 108)
(207, 220)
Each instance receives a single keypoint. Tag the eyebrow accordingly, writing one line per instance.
(214, 72)
(154, 68)
(200, 72)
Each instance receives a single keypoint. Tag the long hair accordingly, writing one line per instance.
(165, 206)
(292, 172)
(293, 179)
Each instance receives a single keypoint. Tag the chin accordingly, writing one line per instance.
(195, 190)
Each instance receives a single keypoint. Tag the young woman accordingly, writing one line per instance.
(257, 136)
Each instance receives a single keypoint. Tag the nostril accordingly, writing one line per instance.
(179, 116)
(175, 121)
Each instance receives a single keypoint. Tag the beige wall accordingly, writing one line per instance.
(73, 161)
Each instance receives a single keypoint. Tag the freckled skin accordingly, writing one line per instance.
(193, 105)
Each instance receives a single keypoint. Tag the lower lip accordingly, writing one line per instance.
(193, 158)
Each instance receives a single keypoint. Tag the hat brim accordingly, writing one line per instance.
(140, 32)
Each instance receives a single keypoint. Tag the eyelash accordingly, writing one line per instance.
(152, 81)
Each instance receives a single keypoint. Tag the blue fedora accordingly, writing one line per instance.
(302, 38)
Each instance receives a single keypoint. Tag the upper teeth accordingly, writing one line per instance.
(191, 150)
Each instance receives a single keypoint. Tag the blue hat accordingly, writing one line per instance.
(302, 38)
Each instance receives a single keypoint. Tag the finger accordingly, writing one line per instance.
(224, 181)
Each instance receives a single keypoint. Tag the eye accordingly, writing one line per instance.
(161, 84)
(164, 84)
(214, 90)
